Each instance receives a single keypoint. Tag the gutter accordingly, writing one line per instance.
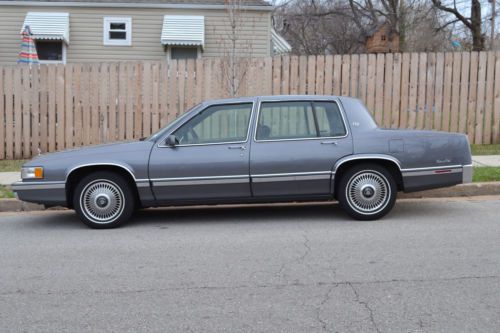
(127, 5)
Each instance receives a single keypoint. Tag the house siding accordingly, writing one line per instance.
(86, 33)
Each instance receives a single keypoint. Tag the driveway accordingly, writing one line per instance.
(430, 266)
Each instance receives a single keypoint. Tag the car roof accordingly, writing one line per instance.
(270, 98)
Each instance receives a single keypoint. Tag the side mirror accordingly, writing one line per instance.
(171, 141)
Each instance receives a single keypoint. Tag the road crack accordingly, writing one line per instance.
(326, 298)
(366, 306)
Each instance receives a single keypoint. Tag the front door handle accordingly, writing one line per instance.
(238, 147)
(329, 142)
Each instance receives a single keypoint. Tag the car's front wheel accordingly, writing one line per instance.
(367, 191)
(103, 200)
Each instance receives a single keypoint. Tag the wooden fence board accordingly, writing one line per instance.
(448, 72)
(455, 92)
(396, 90)
(18, 90)
(388, 86)
(337, 74)
(363, 76)
(370, 96)
(9, 112)
(429, 99)
(496, 111)
(471, 104)
(405, 88)
(438, 92)
(320, 75)
(2, 114)
(464, 93)
(26, 116)
(422, 79)
(354, 76)
(481, 87)
(328, 74)
(346, 69)
(488, 107)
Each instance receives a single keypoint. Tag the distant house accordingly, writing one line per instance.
(382, 39)
(68, 31)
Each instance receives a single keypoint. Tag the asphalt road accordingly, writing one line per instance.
(430, 266)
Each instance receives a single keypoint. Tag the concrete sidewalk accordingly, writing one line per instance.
(7, 178)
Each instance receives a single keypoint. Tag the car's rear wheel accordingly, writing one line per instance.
(103, 200)
(367, 191)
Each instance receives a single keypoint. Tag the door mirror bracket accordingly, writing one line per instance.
(171, 141)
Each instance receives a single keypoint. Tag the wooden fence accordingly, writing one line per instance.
(54, 107)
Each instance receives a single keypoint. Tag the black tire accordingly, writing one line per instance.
(104, 200)
(367, 191)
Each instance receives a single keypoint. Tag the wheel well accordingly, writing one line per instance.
(77, 174)
(392, 167)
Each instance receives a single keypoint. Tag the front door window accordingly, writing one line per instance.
(217, 124)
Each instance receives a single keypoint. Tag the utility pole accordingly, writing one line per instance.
(493, 14)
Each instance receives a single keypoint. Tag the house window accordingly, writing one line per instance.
(383, 37)
(51, 51)
(178, 53)
(117, 31)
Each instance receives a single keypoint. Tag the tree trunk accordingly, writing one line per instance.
(476, 31)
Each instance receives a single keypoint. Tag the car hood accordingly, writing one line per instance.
(108, 150)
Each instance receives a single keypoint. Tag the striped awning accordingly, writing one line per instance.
(53, 26)
(279, 44)
(185, 30)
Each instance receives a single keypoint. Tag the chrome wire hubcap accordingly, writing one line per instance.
(368, 192)
(102, 201)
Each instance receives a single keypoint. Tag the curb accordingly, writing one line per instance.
(462, 190)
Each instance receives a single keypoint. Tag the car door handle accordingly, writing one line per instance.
(329, 142)
(237, 147)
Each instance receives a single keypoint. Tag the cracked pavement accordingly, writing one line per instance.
(430, 266)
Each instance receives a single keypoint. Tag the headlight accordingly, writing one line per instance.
(32, 173)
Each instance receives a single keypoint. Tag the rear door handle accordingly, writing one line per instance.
(329, 142)
(238, 147)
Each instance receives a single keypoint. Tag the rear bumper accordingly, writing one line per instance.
(45, 193)
(467, 172)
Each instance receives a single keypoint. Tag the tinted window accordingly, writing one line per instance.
(183, 53)
(330, 121)
(52, 50)
(216, 124)
(285, 120)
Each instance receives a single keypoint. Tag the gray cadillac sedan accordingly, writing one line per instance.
(249, 150)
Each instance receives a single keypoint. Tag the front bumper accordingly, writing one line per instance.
(45, 193)
(467, 172)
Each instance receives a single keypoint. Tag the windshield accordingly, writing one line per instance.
(162, 131)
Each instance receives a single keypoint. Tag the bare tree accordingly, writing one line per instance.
(237, 50)
(318, 27)
(342, 26)
(472, 23)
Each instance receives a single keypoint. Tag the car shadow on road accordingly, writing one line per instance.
(241, 214)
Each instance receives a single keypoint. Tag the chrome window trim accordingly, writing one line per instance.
(312, 100)
(250, 120)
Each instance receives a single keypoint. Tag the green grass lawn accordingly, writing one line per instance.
(485, 149)
(486, 174)
(5, 192)
(11, 165)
